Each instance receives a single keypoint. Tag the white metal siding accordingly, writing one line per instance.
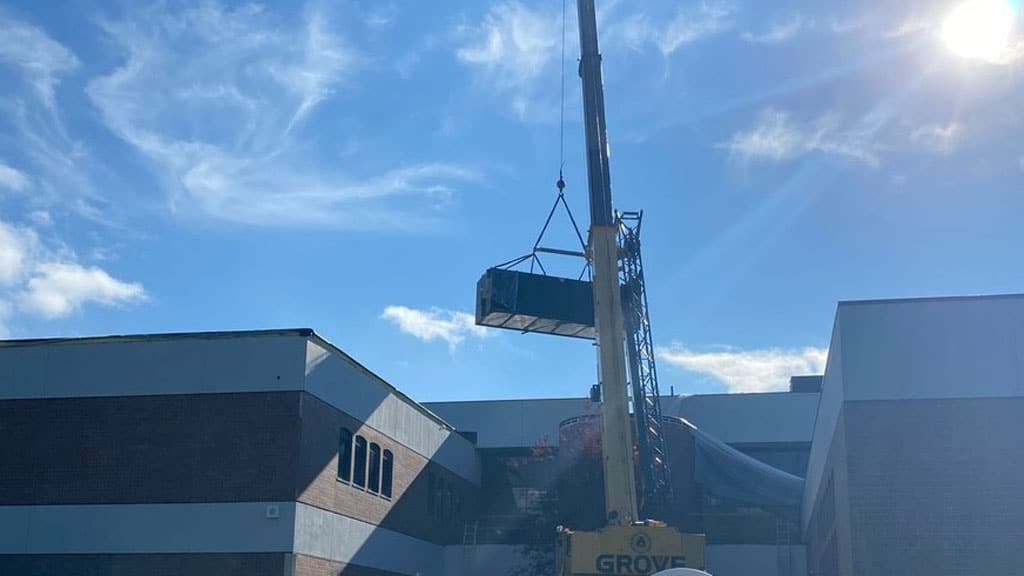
(513, 423)
(186, 365)
(146, 528)
(752, 418)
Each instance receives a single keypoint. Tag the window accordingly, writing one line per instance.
(431, 495)
(387, 474)
(368, 465)
(345, 455)
(360, 462)
(374, 480)
(441, 498)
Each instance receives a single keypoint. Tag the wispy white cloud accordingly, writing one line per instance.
(12, 178)
(49, 282)
(5, 312)
(40, 276)
(687, 26)
(777, 33)
(853, 145)
(40, 59)
(512, 50)
(40, 218)
(844, 25)
(911, 24)
(513, 44)
(325, 58)
(690, 26)
(763, 370)
(381, 15)
(218, 100)
(937, 138)
(60, 167)
(15, 246)
(57, 289)
(434, 324)
(777, 137)
(63, 170)
(634, 31)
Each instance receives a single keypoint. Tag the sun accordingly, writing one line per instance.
(979, 29)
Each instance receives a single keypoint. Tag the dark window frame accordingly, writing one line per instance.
(431, 493)
(359, 462)
(373, 468)
(345, 455)
(387, 473)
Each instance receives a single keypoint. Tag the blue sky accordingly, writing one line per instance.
(355, 166)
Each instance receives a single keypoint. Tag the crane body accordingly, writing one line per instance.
(626, 546)
(629, 544)
(619, 478)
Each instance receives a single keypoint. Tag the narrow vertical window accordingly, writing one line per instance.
(345, 455)
(442, 497)
(387, 473)
(360, 462)
(431, 488)
(373, 482)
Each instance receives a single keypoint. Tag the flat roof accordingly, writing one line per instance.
(223, 335)
(205, 335)
(931, 299)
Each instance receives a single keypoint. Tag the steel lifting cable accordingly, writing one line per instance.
(561, 112)
(560, 184)
(561, 152)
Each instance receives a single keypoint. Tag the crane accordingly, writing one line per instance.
(616, 336)
(619, 322)
(619, 481)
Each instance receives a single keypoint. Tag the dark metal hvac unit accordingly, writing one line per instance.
(535, 303)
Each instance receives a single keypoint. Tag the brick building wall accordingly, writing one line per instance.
(149, 449)
(312, 566)
(924, 486)
(935, 486)
(216, 454)
(206, 448)
(407, 510)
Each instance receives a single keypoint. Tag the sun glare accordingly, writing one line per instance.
(979, 29)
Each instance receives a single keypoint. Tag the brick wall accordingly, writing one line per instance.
(406, 511)
(181, 448)
(312, 566)
(139, 564)
(935, 486)
(278, 446)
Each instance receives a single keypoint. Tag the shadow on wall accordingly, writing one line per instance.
(393, 507)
